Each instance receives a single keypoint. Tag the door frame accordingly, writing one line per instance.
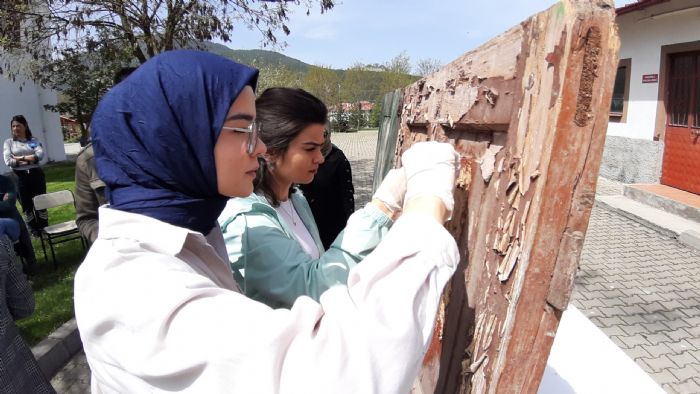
(666, 52)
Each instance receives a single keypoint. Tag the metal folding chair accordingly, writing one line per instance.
(60, 232)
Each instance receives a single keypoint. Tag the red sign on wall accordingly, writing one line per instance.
(650, 78)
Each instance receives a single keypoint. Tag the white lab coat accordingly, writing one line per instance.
(158, 311)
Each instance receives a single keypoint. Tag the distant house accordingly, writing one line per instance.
(365, 107)
(654, 130)
(25, 98)
(70, 128)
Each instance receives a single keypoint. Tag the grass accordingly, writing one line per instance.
(53, 288)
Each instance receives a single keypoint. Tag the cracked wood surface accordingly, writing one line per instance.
(527, 112)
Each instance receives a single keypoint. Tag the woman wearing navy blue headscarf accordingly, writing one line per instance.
(156, 303)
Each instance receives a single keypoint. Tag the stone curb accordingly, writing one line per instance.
(661, 202)
(58, 348)
(687, 237)
(690, 238)
(642, 221)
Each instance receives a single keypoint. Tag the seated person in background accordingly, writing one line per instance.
(19, 372)
(89, 188)
(89, 193)
(8, 209)
(271, 237)
(331, 195)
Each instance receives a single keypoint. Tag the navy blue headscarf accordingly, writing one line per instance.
(154, 135)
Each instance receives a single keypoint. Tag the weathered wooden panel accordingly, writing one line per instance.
(386, 140)
(528, 113)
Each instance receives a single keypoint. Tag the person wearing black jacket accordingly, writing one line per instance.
(8, 209)
(331, 194)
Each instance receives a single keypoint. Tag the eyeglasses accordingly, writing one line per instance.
(253, 135)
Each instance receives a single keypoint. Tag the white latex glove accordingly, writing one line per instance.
(431, 169)
(392, 189)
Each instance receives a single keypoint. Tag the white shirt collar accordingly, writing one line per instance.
(164, 237)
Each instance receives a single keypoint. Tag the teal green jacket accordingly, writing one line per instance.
(270, 264)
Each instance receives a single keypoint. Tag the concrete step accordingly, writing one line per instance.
(58, 348)
(685, 230)
(665, 198)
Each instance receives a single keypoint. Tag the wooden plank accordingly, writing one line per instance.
(528, 113)
(386, 140)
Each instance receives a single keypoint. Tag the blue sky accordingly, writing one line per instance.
(374, 31)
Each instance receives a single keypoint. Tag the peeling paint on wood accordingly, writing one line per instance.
(488, 162)
(508, 263)
(521, 112)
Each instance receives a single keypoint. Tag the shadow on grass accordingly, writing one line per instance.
(68, 257)
(53, 291)
(53, 287)
(60, 173)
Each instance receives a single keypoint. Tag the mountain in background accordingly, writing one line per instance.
(259, 57)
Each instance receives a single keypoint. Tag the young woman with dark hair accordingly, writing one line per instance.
(23, 153)
(284, 114)
(155, 300)
(272, 239)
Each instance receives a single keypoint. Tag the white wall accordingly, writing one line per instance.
(29, 101)
(641, 39)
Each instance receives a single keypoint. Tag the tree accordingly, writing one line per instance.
(322, 82)
(375, 117)
(397, 74)
(144, 27)
(427, 66)
(53, 41)
(339, 119)
(357, 84)
(356, 118)
(276, 76)
(82, 78)
(400, 63)
(355, 87)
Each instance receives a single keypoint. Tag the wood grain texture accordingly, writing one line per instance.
(528, 113)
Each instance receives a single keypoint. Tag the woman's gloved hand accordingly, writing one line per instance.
(392, 190)
(431, 169)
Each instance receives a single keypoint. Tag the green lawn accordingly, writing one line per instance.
(53, 288)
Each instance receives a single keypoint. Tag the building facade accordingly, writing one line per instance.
(654, 129)
(23, 97)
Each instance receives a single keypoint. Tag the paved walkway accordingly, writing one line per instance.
(639, 287)
(643, 290)
(74, 378)
(359, 148)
